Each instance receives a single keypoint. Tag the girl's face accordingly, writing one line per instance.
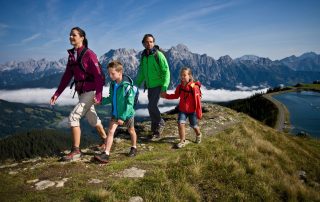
(185, 77)
(75, 39)
(114, 74)
(148, 43)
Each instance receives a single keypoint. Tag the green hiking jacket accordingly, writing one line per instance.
(125, 100)
(153, 74)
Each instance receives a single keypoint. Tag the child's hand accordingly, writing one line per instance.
(95, 101)
(120, 122)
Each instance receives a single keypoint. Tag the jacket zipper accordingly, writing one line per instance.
(147, 70)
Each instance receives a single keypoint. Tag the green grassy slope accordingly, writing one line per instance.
(240, 159)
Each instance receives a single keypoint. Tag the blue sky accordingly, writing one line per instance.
(275, 28)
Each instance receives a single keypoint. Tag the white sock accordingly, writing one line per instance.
(134, 147)
(108, 153)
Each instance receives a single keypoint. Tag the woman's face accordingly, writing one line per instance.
(185, 77)
(148, 43)
(75, 39)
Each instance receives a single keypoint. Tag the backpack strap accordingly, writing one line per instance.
(129, 86)
(87, 76)
(156, 57)
(79, 59)
(126, 91)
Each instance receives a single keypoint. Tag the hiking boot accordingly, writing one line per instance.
(72, 156)
(102, 158)
(133, 152)
(154, 136)
(198, 138)
(157, 127)
(181, 144)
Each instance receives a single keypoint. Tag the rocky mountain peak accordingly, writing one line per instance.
(225, 60)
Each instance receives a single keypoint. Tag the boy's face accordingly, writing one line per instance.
(114, 74)
(148, 43)
(185, 77)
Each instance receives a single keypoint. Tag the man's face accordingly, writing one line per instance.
(148, 43)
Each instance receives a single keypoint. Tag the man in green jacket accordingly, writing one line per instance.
(121, 96)
(154, 71)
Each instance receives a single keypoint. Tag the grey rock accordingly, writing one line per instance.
(117, 140)
(95, 181)
(9, 166)
(136, 199)
(132, 173)
(32, 181)
(60, 183)
(44, 184)
(302, 175)
(13, 172)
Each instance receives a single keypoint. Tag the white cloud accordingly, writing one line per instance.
(37, 96)
(144, 112)
(26, 40)
(31, 38)
(3, 26)
(42, 96)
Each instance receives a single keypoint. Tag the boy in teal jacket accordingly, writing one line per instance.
(154, 70)
(121, 97)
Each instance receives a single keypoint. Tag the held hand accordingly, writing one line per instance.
(120, 122)
(53, 100)
(163, 94)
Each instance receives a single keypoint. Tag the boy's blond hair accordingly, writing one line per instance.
(115, 65)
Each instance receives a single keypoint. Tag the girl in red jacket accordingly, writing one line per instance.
(189, 106)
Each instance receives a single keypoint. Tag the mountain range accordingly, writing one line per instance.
(225, 72)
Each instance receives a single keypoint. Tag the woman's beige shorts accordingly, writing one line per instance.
(85, 107)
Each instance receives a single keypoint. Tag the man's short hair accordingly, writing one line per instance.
(146, 36)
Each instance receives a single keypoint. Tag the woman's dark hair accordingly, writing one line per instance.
(82, 33)
(146, 36)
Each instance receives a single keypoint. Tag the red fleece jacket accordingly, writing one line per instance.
(190, 98)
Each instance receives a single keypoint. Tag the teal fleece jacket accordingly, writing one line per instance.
(125, 100)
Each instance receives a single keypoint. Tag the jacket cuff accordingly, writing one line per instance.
(164, 88)
(98, 97)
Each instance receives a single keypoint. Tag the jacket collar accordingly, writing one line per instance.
(147, 53)
(191, 84)
(71, 51)
(125, 80)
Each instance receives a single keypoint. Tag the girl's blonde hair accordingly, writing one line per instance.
(187, 69)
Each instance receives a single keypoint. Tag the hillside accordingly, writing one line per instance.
(239, 160)
(37, 142)
(29, 117)
(26, 117)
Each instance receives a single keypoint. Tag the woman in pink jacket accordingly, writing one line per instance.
(88, 84)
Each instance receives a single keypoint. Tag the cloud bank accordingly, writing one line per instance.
(42, 96)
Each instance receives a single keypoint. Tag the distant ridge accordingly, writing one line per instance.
(225, 72)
